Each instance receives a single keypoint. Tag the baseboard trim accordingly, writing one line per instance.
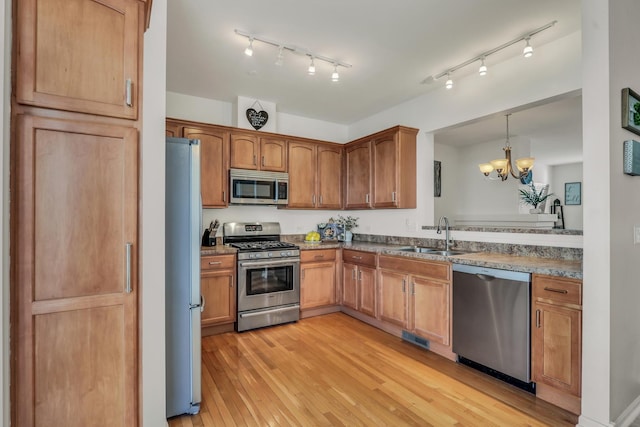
(629, 415)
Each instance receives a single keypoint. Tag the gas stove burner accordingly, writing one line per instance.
(262, 245)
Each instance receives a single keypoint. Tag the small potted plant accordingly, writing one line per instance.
(348, 224)
(534, 197)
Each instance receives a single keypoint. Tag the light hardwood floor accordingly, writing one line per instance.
(334, 370)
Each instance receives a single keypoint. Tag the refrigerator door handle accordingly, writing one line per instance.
(202, 303)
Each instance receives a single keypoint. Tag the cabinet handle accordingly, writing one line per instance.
(558, 291)
(359, 275)
(413, 288)
(404, 284)
(318, 256)
(302, 273)
(202, 303)
(538, 318)
(393, 196)
(313, 199)
(224, 196)
(321, 199)
(215, 262)
(128, 267)
(353, 274)
(262, 160)
(366, 198)
(128, 93)
(356, 257)
(254, 159)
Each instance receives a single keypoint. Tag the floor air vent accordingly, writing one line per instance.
(414, 339)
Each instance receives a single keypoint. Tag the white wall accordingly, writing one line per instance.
(5, 90)
(562, 174)
(151, 253)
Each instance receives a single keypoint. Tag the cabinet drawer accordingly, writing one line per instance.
(215, 262)
(557, 289)
(317, 255)
(359, 257)
(436, 270)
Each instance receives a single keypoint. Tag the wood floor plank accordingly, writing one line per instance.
(334, 370)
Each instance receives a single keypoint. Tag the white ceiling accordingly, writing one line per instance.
(392, 45)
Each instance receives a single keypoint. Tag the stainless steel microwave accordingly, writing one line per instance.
(249, 187)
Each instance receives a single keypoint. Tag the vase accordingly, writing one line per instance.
(535, 211)
(348, 236)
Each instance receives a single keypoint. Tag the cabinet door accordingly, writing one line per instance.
(79, 55)
(358, 176)
(367, 290)
(219, 296)
(329, 177)
(76, 200)
(214, 169)
(430, 307)
(302, 175)
(318, 285)
(556, 355)
(172, 130)
(392, 302)
(273, 155)
(385, 155)
(244, 151)
(350, 286)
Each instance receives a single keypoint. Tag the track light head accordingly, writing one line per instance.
(449, 83)
(335, 76)
(527, 52)
(249, 50)
(312, 68)
(280, 57)
(483, 68)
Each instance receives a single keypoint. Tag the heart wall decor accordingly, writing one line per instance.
(257, 119)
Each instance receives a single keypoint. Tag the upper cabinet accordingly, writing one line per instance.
(250, 151)
(214, 164)
(315, 175)
(381, 170)
(80, 55)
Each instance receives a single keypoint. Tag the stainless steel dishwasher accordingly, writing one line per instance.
(491, 321)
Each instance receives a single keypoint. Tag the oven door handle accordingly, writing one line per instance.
(271, 311)
(274, 263)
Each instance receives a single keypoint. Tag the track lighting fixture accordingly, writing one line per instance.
(311, 70)
(483, 68)
(249, 50)
(527, 52)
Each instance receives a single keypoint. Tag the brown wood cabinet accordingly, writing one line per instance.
(218, 289)
(75, 273)
(251, 151)
(317, 278)
(557, 340)
(214, 164)
(315, 175)
(80, 55)
(381, 170)
(416, 295)
(359, 281)
(173, 129)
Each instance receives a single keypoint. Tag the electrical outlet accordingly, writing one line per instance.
(636, 235)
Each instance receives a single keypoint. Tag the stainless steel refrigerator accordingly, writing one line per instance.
(183, 218)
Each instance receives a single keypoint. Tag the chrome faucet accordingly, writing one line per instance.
(448, 241)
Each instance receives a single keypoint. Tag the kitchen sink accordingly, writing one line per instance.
(434, 251)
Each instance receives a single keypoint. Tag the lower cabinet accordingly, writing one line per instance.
(218, 289)
(416, 295)
(556, 340)
(359, 281)
(317, 278)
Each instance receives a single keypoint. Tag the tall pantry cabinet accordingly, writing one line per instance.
(74, 241)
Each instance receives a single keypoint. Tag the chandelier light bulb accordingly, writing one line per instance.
(335, 76)
(280, 57)
(527, 52)
(312, 68)
(449, 83)
(249, 50)
(483, 69)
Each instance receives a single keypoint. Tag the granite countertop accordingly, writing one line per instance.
(217, 250)
(527, 264)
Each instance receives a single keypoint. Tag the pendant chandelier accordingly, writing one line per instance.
(503, 166)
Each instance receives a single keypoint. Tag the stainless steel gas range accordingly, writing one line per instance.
(268, 274)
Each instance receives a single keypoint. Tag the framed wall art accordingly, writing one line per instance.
(631, 110)
(572, 193)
